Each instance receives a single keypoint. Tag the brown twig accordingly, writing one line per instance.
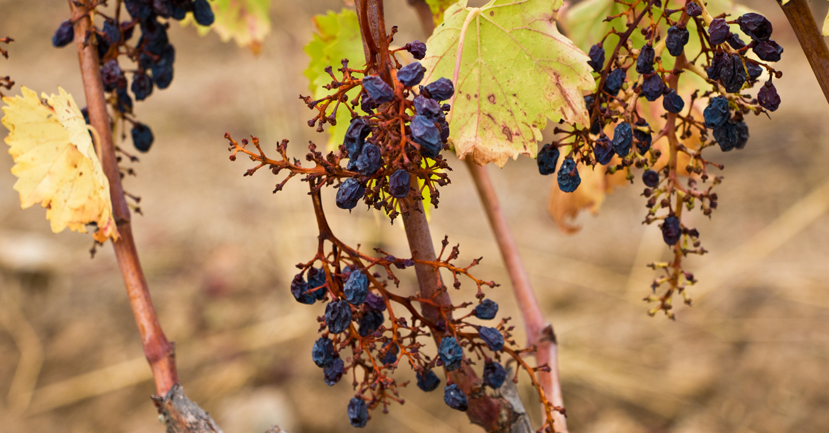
(539, 331)
(158, 350)
(804, 26)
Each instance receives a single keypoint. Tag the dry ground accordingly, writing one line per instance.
(219, 250)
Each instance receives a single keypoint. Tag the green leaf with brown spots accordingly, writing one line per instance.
(512, 71)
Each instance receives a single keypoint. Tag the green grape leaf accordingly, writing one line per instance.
(337, 37)
(438, 7)
(515, 71)
(245, 21)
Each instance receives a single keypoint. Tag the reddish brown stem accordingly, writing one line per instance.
(157, 349)
(539, 331)
(811, 40)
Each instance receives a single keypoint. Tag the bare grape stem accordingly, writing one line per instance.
(158, 350)
(539, 331)
(811, 40)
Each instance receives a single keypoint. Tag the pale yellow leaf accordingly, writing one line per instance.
(56, 164)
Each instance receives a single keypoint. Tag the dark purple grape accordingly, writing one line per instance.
(755, 26)
(768, 51)
(444, 130)
(492, 337)
(613, 82)
(356, 288)
(323, 352)
(142, 137)
(643, 138)
(350, 192)
(603, 150)
(650, 178)
(355, 137)
(163, 68)
(337, 316)
(622, 139)
(455, 398)
(428, 381)
(731, 135)
(142, 86)
(450, 353)
(486, 310)
(162, 8)
(417, 49)
(718, 63)
(333, 372)
(693, 9)
(377, 89)
(427, 107)
(441, 89)
(547, 159)
(299, 288)
(672, 102)
(718, 31)
(316, 279)
(110, 73)
(178, 12)
(767, 97)
(154, 36)
(85, 112)
(568, 176)
(357, 412)
(370, 160)
(63, 35)
(124, 102)
(494, 374)
(671, 230)
(754, 70)
(111, 31)
(653, 87)
(733, 75)
(736, 42)
(644, 62)
(370, 322)
(103, 48)
(427, 135)
(399, 183)
(202, 12)
(596, 55)
(676, 40)
(390, 355)
(411, 74)
(717, 112)
(127, 29)
(375, 302)
(139, 9)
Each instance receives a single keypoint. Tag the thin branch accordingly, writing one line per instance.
(811, 40)
(539, 331)
(158, 350)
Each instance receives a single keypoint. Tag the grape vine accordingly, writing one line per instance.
(721, 72)
(393, 161)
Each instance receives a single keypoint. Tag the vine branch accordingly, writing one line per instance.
(811, 40)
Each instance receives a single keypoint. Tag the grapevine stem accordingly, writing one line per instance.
(539, 332)
(804, 26)
(157, 349)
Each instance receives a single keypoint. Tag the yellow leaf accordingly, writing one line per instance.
(56, 164)
(245, 21)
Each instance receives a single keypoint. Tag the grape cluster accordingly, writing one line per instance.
(390, 155)
(152, 52)
(633, 79)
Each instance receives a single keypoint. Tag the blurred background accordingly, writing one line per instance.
(219, 251)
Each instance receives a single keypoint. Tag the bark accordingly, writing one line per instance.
(811, 40)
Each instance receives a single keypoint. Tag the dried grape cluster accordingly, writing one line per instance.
(717, 75)
(152, 52)
(389, 159)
